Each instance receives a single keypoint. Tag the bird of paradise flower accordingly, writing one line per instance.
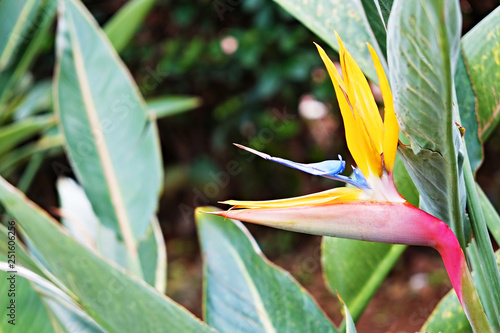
(373, 210)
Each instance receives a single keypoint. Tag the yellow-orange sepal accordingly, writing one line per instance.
(372, 143)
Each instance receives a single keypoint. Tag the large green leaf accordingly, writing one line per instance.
(423, 46)
(115, 300)
(243, 291)
(324, 17)
(111, 142)
(80, 220)
(355, 269)
(466, 100)
(124, 25)
(481, 48)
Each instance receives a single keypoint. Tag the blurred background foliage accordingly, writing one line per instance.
(257, 76)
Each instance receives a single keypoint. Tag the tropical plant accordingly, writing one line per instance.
(104, 268)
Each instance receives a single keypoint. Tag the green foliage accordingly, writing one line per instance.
(325, 17)
(481, 48)
(106, 104)
(423, 48)
(116, 300)
(104, 269)
(243, 291)
(124, 24)
(367, 263)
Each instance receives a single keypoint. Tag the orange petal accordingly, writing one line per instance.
(356, 136)
(336, 195)
(365, 109)
(391, 127)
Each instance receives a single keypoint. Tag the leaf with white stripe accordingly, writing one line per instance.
(111, 142)
(116, 300)
(245, 292)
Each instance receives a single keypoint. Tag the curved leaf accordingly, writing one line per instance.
(377, 24)
(171, 105)
(423, 47)
(124, 24)
(111, 141)
(243, 291)
(24, 26)
(490, 214)
(81, 221)
(13, 134)
(355, 269)
(481, 48)
(118, 302)
(324, 17)
(466, 100)
(44, 307)
(29, 314)
(16, 17)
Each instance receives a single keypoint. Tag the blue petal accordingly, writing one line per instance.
(325, 169)
(329, 169)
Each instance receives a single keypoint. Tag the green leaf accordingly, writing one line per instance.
(423, 46)
(172, 105)
(29, 313)
(490, 214)
(385, 7)
(26, 30)
(481, 48)
(13, 134)
(324, 17)
(153, 257)
(111, 142)
(243, 291)
(115, 300)
(356, 269)
(37, 99)
(21, 255)
(16, 18)
(122, 27)
(51, 144)
(50, 309)
(404, 183)
(82, 223)
(448, 316)
(468, 119)
(376, 22)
